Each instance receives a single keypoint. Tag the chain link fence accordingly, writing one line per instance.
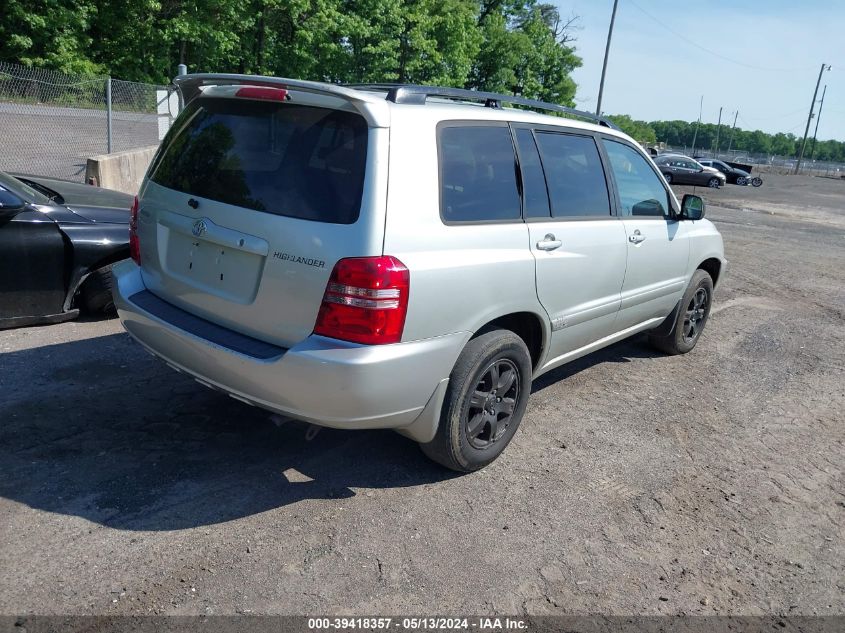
(51, 123)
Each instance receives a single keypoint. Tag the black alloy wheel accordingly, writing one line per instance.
(492, 403)
(696, 314)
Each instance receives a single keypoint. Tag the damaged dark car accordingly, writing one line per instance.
(58, 240)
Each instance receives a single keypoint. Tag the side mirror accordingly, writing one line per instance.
(692, 207)
(10, 205)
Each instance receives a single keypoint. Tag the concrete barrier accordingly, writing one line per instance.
(122, 171)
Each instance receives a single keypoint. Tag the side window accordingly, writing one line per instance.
(535, 198)
(574, 175)
(640, 190)
(477, 174)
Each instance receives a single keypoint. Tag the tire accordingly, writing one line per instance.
(468, 437)
(756, 181)
(691, 318)
(713, 183)
(668, 178)
(96, 292)
(742, 181)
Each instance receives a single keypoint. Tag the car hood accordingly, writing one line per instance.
(77, 193)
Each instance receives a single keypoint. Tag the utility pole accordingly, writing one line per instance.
(810, 117)
(718, 130)
(818, 118)
(695, 135)
(733, 129)
(606, 53)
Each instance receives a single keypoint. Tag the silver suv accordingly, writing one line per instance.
(403, 257)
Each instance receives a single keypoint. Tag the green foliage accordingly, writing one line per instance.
(680, 134)
(49, 34)
(524, 52)
(640, 131)
(518, 46)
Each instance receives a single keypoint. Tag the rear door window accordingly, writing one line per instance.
(280, 158)
(574, 174)
(477, 174)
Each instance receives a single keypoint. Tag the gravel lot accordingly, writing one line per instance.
(638, 483)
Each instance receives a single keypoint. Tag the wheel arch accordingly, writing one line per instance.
(713, 267)
(529, 326)
(82, 270)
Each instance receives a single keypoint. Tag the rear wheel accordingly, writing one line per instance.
(96, 292)
(691, 318)
(742, 181)
(713, 183)
(485, 401)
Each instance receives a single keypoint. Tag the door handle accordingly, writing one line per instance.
(636, 238)
(549, 243)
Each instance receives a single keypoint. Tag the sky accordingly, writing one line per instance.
(762, 60)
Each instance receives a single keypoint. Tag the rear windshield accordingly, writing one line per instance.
(281, 158)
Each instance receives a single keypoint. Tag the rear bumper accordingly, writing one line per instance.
(320, 380)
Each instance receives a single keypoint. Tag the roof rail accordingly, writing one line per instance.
(416, 94)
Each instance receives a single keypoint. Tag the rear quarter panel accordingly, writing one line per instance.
(462, 276)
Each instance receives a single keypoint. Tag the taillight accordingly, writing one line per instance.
(365, 301)
(261, 92)
(134, 244)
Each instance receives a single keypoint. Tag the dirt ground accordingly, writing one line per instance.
(711, 483)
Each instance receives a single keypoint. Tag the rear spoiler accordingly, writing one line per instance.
(373, 108)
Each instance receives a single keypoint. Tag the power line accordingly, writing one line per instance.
(749, 127)
(777, 116)
(707, 50)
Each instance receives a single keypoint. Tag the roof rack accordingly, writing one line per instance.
(417, 95)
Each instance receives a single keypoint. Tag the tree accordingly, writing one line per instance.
(525, 52)
(640, 131)
(49, 34)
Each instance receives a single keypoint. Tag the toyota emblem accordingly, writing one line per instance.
(199, 228)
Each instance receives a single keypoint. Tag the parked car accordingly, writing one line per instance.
(58, 240)
(403, 257)
(735, 175)
(683, 170)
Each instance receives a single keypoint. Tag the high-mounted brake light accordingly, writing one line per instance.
(366, 300)
(262, 92)
(134, 244)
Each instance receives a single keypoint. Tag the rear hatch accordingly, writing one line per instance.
(253, 197)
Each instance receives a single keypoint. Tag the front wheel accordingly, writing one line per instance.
(692, 316)
(485, 401)
(668, 178)
(742, 181)
(713, 183)
(756, 181)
